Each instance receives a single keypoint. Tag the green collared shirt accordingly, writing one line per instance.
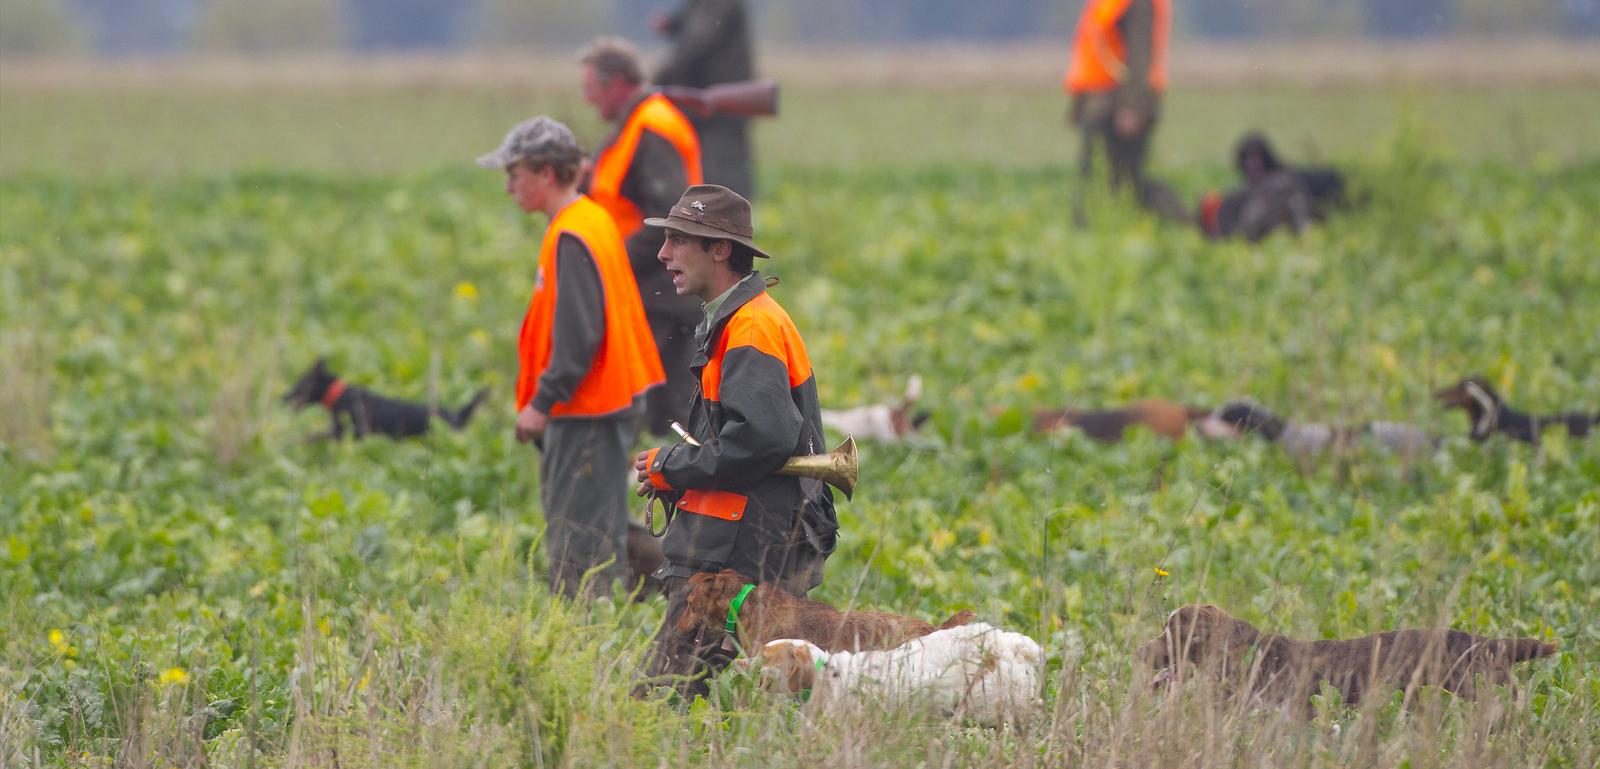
(712, 306)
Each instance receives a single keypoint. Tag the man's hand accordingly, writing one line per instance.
(641, 466)
(688, 99)
(531, 423)
(1127, 121)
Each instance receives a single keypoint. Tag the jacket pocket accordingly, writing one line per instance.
(704, 533)
(722, 505)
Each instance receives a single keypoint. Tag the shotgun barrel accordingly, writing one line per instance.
(746, 98)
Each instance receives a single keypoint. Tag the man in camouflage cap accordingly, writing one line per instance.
(586, 358)
(756, 407)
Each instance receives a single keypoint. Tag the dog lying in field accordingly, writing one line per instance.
(977, 671)
(1283, 672)
(368, 412)
(883, 422)
(1302, 440)
(1271, 195)
(1165, 418)
(770, 613)
(1489, 414)
(1256, 162)
(1254, 211)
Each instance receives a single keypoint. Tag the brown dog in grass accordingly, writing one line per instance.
(1164, 418)
(769, 613)
(1285, 672)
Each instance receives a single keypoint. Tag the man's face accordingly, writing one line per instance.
(529, 188)
(606, 95)
(691, 266)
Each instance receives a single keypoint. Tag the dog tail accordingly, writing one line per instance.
(1523, 649)
(963, 617)
(1578, 424)
(458, 418)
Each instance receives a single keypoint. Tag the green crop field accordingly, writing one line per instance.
(185, 581)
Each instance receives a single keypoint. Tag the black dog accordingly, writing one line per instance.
(1272, 195)
(367, 411)
(1490, 414)
(1278, 201)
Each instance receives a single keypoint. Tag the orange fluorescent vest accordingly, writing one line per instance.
(626, 363)
(1099, 54)
(658, 115)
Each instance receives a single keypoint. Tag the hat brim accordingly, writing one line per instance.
(697, 229)
(494, 161)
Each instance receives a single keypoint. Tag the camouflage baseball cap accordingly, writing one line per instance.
(532, 138)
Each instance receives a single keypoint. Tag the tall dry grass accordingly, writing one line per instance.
(25, 365)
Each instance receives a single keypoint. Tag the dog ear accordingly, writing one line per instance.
(695, 602)
(321, 365)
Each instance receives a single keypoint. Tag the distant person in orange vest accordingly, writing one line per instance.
(639, 171)
(1116, 78)
(586, 358)
(711, 44)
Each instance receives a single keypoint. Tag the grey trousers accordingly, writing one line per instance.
(582, 487)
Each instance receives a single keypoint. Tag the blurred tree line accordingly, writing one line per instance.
(113, 27)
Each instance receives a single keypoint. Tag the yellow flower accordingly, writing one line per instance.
(172, 676)
(1386, 357)
(465, 291)
(1160, 572)
(479, 337)
(941, 539)
(58, 641)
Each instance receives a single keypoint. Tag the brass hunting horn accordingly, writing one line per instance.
(838, 468)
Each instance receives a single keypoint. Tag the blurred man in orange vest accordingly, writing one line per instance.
(639, 171)
(586, 358)
(1117, 76)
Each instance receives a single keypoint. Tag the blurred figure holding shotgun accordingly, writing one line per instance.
(757, 407)
(711, 45)
(639, 170)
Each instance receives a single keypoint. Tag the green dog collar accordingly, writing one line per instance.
(738, 603)
(822, 662)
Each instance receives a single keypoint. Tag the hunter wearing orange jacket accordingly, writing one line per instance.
(640, 169)
(585, 355)
(1116, 78)
(756, 408)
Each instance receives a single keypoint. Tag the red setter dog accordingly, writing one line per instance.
(1286, 672)
(769, 613)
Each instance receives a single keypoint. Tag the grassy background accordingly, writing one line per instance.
(182, 576)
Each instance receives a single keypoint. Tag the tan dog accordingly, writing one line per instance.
(769, 613)
(1163, 417)
(1285, 672)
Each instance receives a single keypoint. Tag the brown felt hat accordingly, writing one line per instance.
(711, 211)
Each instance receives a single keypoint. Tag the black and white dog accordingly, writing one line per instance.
(367, 411)
(1489, 414)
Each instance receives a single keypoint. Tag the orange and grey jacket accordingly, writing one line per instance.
(757, 407)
